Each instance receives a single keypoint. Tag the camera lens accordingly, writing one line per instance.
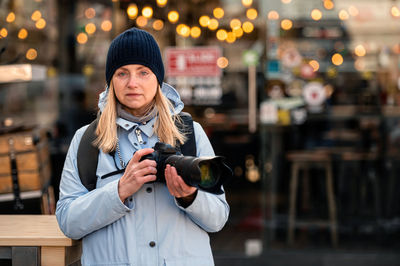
(209, 174)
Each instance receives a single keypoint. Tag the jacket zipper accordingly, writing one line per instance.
(139, 136)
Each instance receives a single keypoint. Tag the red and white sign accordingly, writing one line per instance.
(194, 61)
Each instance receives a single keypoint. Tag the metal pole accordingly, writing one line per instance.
(252, 99)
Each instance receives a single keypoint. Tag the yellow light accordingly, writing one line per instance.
(36, 15)
(90, 28)
(360, 50)
(213, 24)
(251, 13)
(40, 24)
(273, 15)
(314, 64)
(195, 32)
(173, 16)
(183, 30)
(82, 38)
(286, 1)
(238, 32)
(222, 34)
(222, 62)
(31, 54)
(230, 38)
(10, 17)
(3, 32)
(337, 59)
(162, 3)
(88, 70)
(247, 3)
(286, 24)
(204, 20)
(147, 12)
(316, 14)
(22, 34)
(141, 21)
(353, 11)
(235, 23)
(343, 15)
(218, 12)
(394, 11)
(90, 13)
(328, 4)
(132, 11)
(106, 25)
(158, 24)
(248, 27)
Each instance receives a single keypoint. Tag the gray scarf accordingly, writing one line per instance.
(151, 113)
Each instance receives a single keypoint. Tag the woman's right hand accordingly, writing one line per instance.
(136, 174)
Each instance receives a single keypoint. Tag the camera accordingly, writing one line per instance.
(205, 173)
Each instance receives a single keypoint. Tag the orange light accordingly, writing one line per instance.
(230, 38)
(31, 54)
(337, 59)
(173, 16)
(158, 24)
(248, 27)
(162, 3)
(10, 17)
(90, 28)
(273, 15)
(395, 12)
(286, 24)
(314, 64)
(3, 33)
(82, 38)
(141, 21)
(40, 24)
(195, 32)
(22, 34)
(213, 24)
(328, 4)
(36, 15)
(106, 25)
(147, 12)
(360, 50)
(90, 13)
(132, 11)
(222, 62)
(235, 23)
(316, 14)
(222, 34)
(218, 12)
(204, 20)
(343, 15)
(251, 13)
(247, 3)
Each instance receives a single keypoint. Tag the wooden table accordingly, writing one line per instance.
(36, 240)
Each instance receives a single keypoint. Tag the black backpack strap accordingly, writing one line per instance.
(88, 156)
(189, 147)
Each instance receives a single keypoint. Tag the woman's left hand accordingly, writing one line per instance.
(176, 186)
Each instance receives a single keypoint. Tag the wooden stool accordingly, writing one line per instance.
(306, 160)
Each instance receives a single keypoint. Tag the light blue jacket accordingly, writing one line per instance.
(150, 227)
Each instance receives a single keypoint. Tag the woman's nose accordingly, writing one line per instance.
(132, 81)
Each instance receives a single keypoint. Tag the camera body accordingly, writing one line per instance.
(205, 173)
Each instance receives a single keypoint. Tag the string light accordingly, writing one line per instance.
(222, 34)
(195, 32)
(273, 15)
(90, 13)
(36, 15)
(247, 3)
(213, 24)
(238, 32)
(10, 17)
(359, 50)
(248, 27)
(337, 59)
(230, 38)
(132, 11)
(316, 14)
(141, 21)
(343, 15)
(173, 16)
(158, 24)
(40, 24)
(147, 12)
(162, 3)
(328, 4)
(22, 34)
(204, 20)
(222, 62)
(106, 25)
(235, 23)
(31, 54)
(314, 64)
(82, 38)
(90, 28)
(395, 11)
(251, 13)
(3, 33)
(286, 24)
(218, 12)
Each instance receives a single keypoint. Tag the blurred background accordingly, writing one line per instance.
(301, 97)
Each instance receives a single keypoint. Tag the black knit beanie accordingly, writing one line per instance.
(134, 46)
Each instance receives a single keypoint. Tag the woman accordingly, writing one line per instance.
(128, 219)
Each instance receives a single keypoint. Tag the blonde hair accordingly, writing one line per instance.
(164, 127)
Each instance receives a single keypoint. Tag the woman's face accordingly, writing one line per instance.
(135, 87)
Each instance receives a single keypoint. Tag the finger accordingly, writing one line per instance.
(170, 181)
(140, 153)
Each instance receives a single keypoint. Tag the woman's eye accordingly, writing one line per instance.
(121, 74)
(144, 73)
